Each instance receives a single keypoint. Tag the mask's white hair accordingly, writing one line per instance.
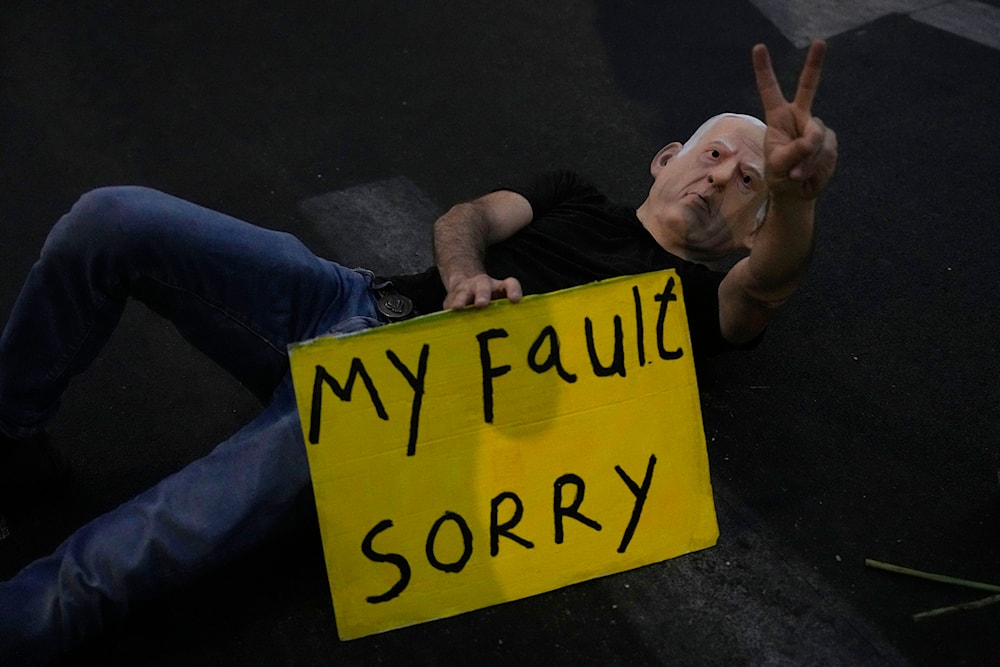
(705, 127)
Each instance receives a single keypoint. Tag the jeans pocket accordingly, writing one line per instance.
(353, 325)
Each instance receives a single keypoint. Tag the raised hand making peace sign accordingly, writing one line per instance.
(800, 151)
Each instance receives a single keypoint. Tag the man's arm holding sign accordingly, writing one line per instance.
(461, 237)
(800, 154)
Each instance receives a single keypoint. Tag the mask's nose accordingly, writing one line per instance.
(721, 175)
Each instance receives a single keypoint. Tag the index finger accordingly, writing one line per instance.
(767, 83)
(809, 79)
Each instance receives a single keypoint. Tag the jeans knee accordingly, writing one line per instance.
(98, 217)
(114, 205)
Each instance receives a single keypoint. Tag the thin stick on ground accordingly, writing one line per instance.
(944, 579)
(941, 611)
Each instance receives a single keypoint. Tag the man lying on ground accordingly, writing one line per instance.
(242, 294)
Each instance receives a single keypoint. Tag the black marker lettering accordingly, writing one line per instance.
(640, 494)
(618, 365)
(498, 529)
(489, 372)
(639, 334)
(466, 543)
(665, 297)
(343, 393)
(558, 511)
(417, 384)
(548, 333)
(396, 559)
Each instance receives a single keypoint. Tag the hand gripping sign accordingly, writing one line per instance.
(464, 459)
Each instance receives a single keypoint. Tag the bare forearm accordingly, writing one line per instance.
(781, 251)
(759, 284)
(461, 237)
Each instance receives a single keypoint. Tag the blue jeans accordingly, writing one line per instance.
(240, 294)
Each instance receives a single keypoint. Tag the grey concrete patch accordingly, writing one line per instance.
(967, 18)
(384, 226)
(801, 21)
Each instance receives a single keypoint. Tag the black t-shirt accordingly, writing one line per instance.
(578, 236)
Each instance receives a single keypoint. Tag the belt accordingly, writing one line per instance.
(392, 306)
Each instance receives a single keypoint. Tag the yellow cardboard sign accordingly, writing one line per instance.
(464, 459)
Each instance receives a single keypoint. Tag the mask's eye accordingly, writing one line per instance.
(747, 180)
(714, 153)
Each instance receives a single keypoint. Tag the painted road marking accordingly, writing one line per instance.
(803, 20)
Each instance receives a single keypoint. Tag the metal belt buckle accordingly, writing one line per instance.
(394, 306)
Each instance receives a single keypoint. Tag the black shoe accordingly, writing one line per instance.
(31, 470)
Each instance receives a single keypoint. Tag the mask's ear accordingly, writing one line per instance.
(663, 157)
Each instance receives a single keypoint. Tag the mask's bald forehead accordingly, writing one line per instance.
(737, 132)
(748, 125)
